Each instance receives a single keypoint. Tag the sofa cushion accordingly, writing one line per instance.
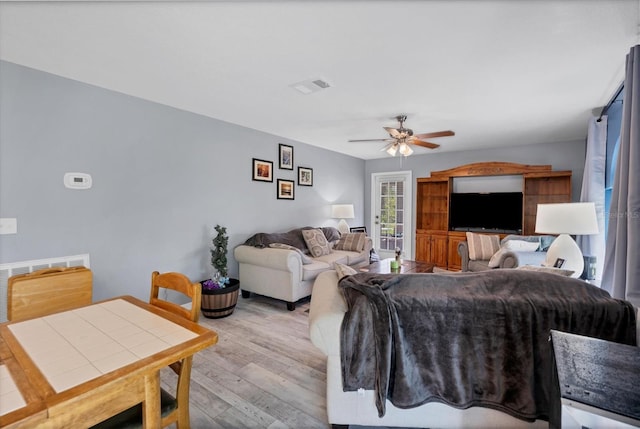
(336, 257)
(311, 271)
(482, 246)
(316, 242)
(354, 241)
(305, 258)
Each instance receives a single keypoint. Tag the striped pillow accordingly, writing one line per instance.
(353, 241)
(482, 246)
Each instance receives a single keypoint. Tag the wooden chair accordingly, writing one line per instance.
(173, 409)
(48, 291)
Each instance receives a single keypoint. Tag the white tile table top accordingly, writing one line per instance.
(10, 397)
(78, 345)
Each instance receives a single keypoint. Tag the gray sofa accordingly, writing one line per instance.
(508, 258)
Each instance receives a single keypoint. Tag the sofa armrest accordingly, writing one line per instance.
(463, 251)
(279, 259)
(326, 312)
(515, 258)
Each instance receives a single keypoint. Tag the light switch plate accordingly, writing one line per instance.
(8, 225)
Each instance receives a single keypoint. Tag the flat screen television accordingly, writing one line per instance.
(493, 211)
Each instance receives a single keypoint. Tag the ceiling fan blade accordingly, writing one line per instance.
(435, 134)
(372, 140)
(425, 144)
(392, 131)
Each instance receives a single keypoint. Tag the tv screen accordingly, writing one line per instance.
(494, 211)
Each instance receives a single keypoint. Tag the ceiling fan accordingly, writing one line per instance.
(401, 138)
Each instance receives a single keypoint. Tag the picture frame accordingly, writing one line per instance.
(285, 155)
(262, 170)
(305, 176)
(286, 189)
(358, 229)
(559, 263)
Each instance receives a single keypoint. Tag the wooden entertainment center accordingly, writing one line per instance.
(436, 243)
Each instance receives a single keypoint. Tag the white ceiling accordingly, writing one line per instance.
(496, 72)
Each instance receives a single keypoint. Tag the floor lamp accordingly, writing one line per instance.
(566, 219)
(342, 212)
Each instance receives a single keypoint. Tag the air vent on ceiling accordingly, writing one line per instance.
(311, 86)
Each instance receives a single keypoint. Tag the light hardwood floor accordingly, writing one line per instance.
(264, 372)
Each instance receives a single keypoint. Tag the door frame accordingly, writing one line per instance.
(408, 208)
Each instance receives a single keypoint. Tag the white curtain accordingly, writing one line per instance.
(621, 275)
(593, 185)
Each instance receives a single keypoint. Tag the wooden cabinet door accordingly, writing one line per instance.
(455, 262)
(439, 250)
(423, 247)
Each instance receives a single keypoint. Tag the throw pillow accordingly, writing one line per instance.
(521, 245)
(351, 241)
(344, 270)
(482, 246)
(305, 259)
(316, 242)
(559, 271)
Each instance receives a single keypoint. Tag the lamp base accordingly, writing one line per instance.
(565, 248)
(343, 227)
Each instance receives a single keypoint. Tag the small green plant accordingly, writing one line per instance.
(219, 251)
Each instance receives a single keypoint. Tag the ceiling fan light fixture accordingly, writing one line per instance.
(393, 149)
(405, 149)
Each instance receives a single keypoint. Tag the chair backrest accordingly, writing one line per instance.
(48, 291)
(179, 283)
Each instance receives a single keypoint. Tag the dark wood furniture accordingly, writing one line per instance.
(598, 380)
(437, 244)
(406, 266)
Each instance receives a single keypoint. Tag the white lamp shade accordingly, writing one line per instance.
(342, 211)
(567, 218)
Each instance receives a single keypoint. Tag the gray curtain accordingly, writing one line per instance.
(621, 276)
(593, 184)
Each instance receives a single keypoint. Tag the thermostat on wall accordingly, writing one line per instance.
(77, 180)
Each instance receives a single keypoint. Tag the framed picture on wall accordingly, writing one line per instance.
(262, 170)
(285, 189)
(305, 176)
(285, 154)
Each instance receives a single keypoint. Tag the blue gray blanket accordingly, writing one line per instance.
(468, 339)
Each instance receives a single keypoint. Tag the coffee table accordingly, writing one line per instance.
(406, 266)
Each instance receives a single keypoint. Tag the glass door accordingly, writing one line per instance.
(392, 214)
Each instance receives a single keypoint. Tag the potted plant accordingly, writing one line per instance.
(219, 293)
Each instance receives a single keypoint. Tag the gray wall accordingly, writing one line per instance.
(162, 178)
(561, 156)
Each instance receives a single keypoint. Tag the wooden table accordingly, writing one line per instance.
(79, 367)
(598, 382)
(407, 266)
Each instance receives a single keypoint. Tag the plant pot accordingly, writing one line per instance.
(217, 303)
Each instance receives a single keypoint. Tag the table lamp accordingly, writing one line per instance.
(342, 212)
(566, 219)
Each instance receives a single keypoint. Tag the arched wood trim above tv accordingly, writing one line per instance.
(490, 169)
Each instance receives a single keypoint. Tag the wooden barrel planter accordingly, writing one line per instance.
(217, 303)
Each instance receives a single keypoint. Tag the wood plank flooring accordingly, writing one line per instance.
(264, 372)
